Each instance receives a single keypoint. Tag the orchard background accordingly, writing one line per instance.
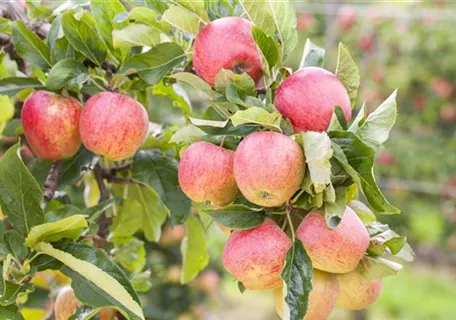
(79, 48)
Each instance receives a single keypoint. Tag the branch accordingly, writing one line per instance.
(51, 182)
(103, 221)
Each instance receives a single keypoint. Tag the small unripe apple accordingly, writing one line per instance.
(308, 98)
(256, 256)
(322, 298)
(269, 168)
(113, 125)
(51, 125)
(227, 43)
(357, 292)
(337, 250)
(206, 174)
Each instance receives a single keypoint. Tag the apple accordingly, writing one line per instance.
(335, 250)
(256, 256)
(366, 42)
(386, 158)
(227, 43)
(208, 281)
(308, 98)
(419, 102)
(322, 298)
(448, 112)
(206, 174)
(268, 168)
(113, 125)
(441, 87)
(51, 125)
(357, 292)
(172, 236)
(305, 21)
(346, 18)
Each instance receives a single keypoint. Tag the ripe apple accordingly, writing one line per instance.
(305, 21)
(441, 87)
(366, 42)
(448, 112)
(172, 236)
(308, 98)
(386, 158)
(256, 256)
(346, 18)
(227, 43)
(357, 292)
(322, 298)
(335, 250)
(51, 125)
(113, 125)
(206, 174)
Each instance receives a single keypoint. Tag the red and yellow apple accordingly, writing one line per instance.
(51, 125)
(268, 168)
(357, 292)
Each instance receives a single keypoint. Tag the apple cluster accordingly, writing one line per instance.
(267, 169)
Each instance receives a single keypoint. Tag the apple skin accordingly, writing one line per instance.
(357, 292)
(337, 250)
(308, 98)
(256, 256)
(206, 174)
(227, 43)
(113, 125)
(51, 125)
(269, 168)
(322, 298)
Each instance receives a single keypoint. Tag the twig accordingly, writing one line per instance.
(104, 221)
(51, 182)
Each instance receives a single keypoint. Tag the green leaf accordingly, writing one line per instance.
(241, 82)
(358, 160)
(67, 228)
(188, 134)
(14, 242)
(348, 73)
(30, 47)
(159, 171)
(143, 210)
(84, 38)
(57, 214)
(9, 293)
(63, 72)
(13, 85)
(130, 253)
(313, 55)
(297, 279)
(334, 212)
(10, 313)
(285, 20)
(268, 46)
(360, 118)
(196, 82)
(194, 250)
(136, 35)
(196, 7)
(154, 64)
(97, 281)
(104, 13)
(259, 116)
(5, 25)
(259, 13)
(364, 213)
(238, 216)
(376, 128)
(20, 194)
(377, 268)
(182, 19)
(139, 15)
(178, 100)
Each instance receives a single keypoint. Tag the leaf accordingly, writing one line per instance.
(238, 216)
(297, 278)
(188, 134)
(10, 313)
(97, 281)
(154, 64)
(67, 228)
(318, 151)
(240, 82)
(73, 169)
(143, 210)
(10, 292)
(268, 46)
(334, 212)
(136, 35)
(195, 82)
(347, 72)
(84, 38)
(139, 15)
(376, 128)
(182, 19)
(363, 212)
(285, 20)
(194, 250)
(63, 72)
(358, 160)
(208, 123)
(377, 268)
(159, 171)
(20, 194)
(178, 98)
(6, 112)
(196, 7)
(259, 13)
(131, 254)
(259, 116)
(313, 55)
(104, 13)
(360, 118)
(14, 242)
(30, 47)
(13, 85)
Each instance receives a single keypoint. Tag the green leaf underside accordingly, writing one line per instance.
(313, 55)
(377, 268)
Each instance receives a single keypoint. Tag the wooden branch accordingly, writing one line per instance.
(103, 220)
(51, 182)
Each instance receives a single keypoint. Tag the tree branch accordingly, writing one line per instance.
(51, 182)
(103, 220)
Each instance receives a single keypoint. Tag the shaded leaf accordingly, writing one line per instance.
(63, 72)
(238, 216)
(31, 47)
(313, 55)
(13, 85)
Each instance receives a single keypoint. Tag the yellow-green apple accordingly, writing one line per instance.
(227, 43)
(113, 125)
(256, 256)
(206, 174)
(357, 292)
(308, 98)
(51, 125)
(269, 168)
(322, 298)
(337, 250)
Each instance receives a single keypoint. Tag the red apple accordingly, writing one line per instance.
(337, 250)
(419, 102)
(308, 98)
(256, 256)
(227, 43)
(386, 158)
(305, 21)
(269, 168)
(113, 125)
(51, 125)
(441, 87)
(448, 112)
(346, 18)
(366, 42)
(206, 174)
(357, 292)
